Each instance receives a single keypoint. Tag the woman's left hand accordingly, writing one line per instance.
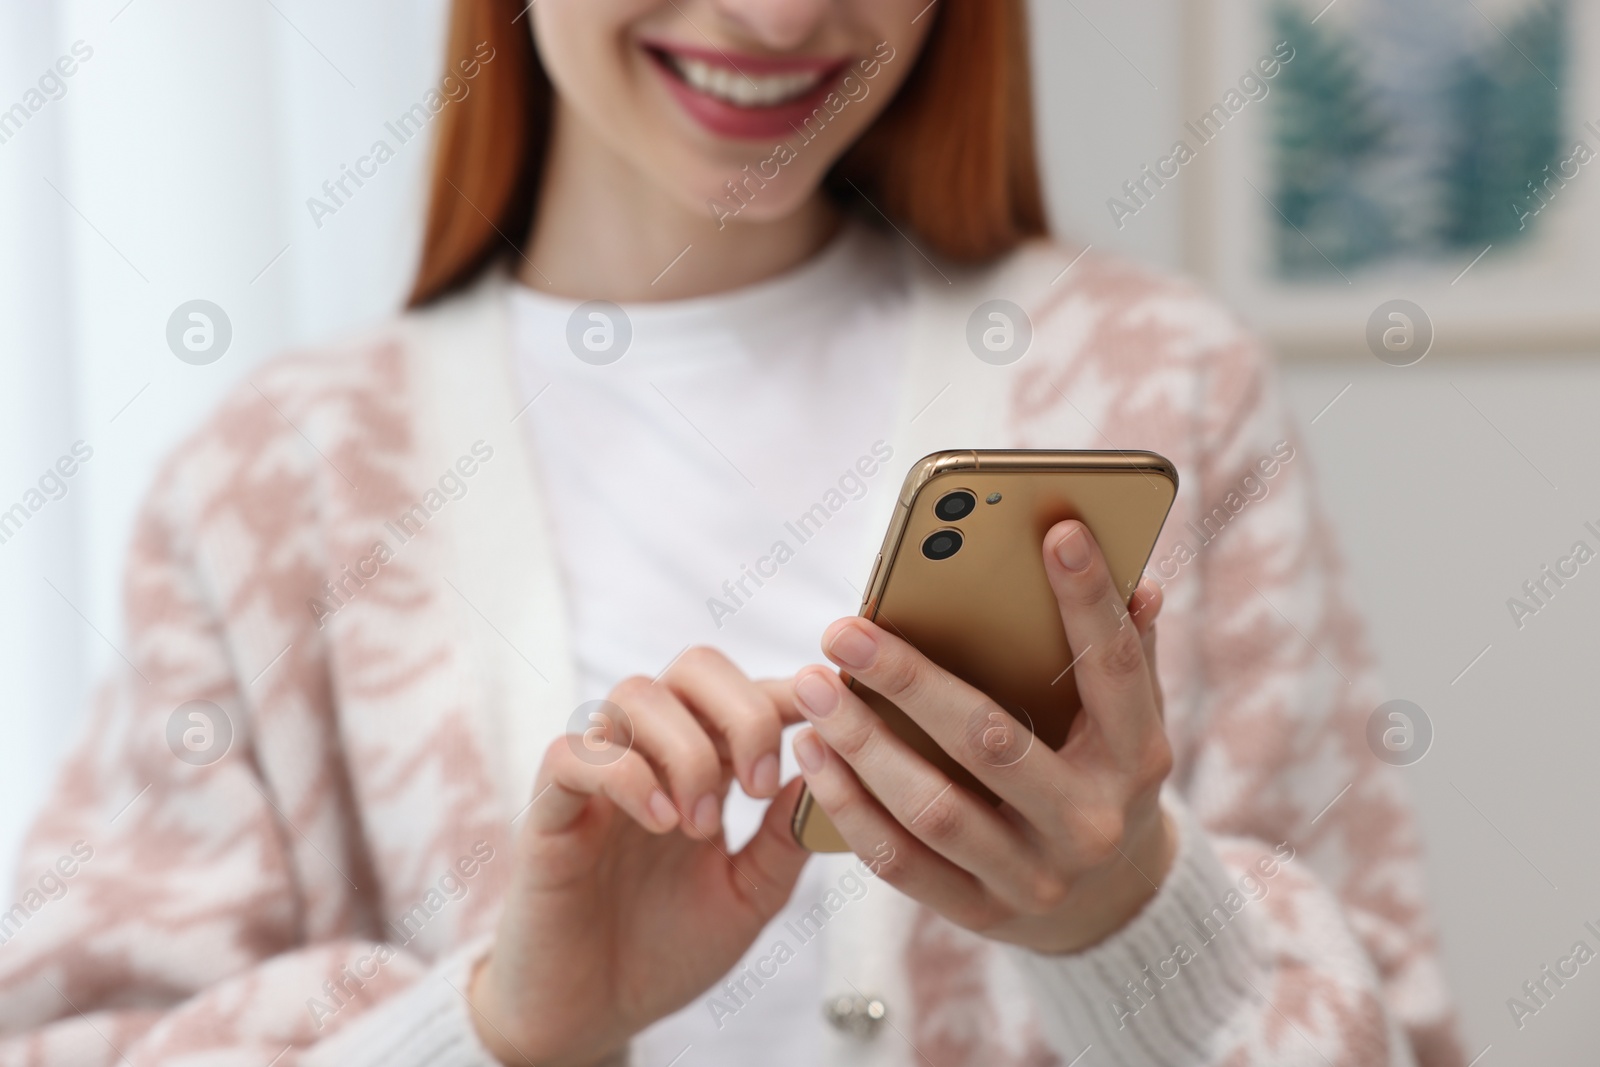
(1080, 842)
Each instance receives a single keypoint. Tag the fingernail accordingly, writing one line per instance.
(661, 809)
(817, 695)
(707, 814)
(853, 647)
(1073, 548)
(765, 775)
(808, 750)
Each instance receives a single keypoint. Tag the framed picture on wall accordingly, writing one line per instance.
(1439, 157)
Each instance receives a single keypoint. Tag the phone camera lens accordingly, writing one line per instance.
(942, 544)
(953, 507)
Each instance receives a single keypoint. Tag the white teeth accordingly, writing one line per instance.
(741, 90)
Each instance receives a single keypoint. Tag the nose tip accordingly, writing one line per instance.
(781, 25)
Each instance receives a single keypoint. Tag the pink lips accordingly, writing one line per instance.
(729, 120)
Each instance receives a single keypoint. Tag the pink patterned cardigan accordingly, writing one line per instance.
(319, 893)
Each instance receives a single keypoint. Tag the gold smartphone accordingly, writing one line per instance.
(961, 577)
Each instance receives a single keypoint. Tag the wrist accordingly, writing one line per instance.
(1111, 896)
(1144, 867)
(508, 1038)
(489, 1020)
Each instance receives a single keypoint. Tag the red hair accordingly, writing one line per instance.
(951, 160)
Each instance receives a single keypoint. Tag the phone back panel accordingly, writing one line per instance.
(987, 613)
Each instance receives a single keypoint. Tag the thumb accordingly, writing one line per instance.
(772, 860)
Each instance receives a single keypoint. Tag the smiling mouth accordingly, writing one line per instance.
(747, 89)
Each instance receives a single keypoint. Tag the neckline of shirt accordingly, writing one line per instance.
(856, 263)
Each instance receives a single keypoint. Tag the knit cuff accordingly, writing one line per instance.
(427, 1025)
(1160, 991)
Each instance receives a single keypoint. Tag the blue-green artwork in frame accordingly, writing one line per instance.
(1455, 142)
(1445, 152)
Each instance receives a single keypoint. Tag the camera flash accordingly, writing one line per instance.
(992, 498)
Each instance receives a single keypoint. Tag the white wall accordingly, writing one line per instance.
(191, 148)
(1443, 523)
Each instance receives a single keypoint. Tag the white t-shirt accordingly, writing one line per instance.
(705, 489)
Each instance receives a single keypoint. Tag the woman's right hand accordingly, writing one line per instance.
(624, 903)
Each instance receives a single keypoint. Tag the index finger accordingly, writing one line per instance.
(1145, 605)
(781, 691)
(968, 726)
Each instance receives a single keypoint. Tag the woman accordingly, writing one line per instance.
(693, 269)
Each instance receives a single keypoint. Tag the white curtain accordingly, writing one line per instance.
(172, 164)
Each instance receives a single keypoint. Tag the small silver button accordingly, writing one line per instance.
(856, 1015)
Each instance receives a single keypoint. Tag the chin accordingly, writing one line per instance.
(725, 193)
